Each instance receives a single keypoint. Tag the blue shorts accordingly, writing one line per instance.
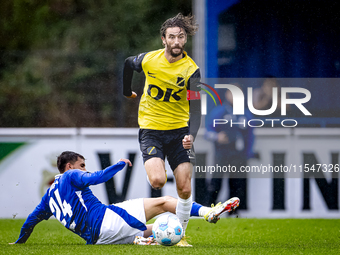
(166, 143)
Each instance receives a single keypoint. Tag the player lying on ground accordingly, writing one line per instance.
(72, 202)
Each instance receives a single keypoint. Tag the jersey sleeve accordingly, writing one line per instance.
(194, 102)
(131, 64)
(81, 179)
(41, 212)
(194, 81)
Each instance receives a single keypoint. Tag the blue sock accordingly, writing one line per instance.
(194, 209)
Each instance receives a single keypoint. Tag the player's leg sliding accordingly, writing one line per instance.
(170, 204)
(213, 215)
(183, 210)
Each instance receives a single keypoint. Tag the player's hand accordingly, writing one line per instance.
(126, 161)
(133, 95)
(187, 141)
(11, 243)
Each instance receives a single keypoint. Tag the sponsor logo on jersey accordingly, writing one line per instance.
(152, 75)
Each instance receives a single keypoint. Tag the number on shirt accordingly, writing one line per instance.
(63, 207)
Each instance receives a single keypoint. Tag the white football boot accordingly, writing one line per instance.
(216, 211)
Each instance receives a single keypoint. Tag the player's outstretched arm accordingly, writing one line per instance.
(83, 179)
(41, 212)
(126, 161)
(131, 64)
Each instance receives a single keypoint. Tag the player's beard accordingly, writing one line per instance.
(175, 55)
(172, 53)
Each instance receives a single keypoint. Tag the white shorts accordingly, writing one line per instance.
(115, 230)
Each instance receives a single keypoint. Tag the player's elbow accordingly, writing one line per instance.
(128, 62)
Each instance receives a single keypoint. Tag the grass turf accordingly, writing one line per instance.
(229, 235)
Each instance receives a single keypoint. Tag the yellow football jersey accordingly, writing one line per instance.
(164, 104)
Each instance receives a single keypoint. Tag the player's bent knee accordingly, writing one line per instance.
(157, 182)
(161, 201)
(167, 199)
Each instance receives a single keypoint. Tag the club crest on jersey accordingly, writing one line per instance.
(180, 81)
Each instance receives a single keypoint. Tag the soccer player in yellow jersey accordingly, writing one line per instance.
(171, 92)
(170, 114)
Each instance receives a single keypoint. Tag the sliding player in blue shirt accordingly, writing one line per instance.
(72, 203)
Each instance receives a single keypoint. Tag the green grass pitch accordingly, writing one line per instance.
(228, 236)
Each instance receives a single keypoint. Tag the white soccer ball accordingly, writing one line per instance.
(167, 230)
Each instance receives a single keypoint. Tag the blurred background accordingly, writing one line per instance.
(61, 61)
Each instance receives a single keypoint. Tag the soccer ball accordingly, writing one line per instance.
(167, 230)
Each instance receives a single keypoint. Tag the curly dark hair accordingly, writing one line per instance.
(188, 23)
